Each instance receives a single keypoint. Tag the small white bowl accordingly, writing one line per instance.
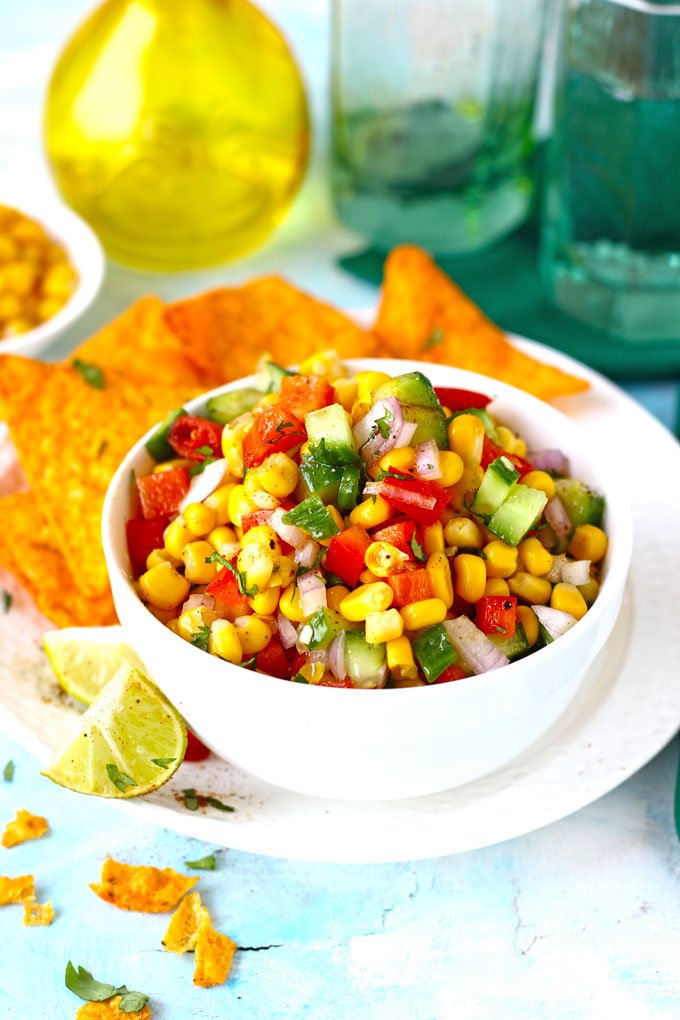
(393, 743)
(85, 254)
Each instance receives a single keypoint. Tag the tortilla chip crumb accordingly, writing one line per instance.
(25, 826)
(109, 1009)
(17, 890)
(214, 953)
(185, 925)
(137, 887)
(38, 913)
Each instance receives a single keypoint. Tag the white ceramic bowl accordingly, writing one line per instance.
(383, 744)
(85, 254)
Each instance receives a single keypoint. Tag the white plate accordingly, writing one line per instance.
(627, 710)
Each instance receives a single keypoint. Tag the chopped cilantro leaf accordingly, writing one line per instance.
(384, 424)
(92, 374)
(190, 800)
(299, 679)
(435, 337)
(393, 474)
(162, 762)
(102, 446)
(196, 469)
(472, 551)
(119, 779)
(217, 557)
(132, 1002)
(214, 802)
(417, 548)
(249, 663)
(6, 601)
(8, 771)
(201, 637)
(206, 863)
(206, 451)
(82, 984)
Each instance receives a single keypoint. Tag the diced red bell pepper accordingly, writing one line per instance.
(346, 554)
(423, 501)
(143, 536)
(496, 614)
(276, 430)
(161, 494)
(492, 452)
(196, 751)
(255, 519)
(410, 586)
(460, 400)
(449, 674)
(332, 682)
(304, 393)
(224, 586)
(399, 534)
(188, 435)
(272, 659)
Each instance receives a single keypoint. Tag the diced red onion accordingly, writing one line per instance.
(319, 655)
(312, 592)
(406, 435)
(336, 656)
(558, 518)
(549, 460)
(473, 646)
(307, 554)
(287, 631)
(288, 532)
(555, 622)
(203, 484)
(199, 601)
(576, 571)
(427, 460)
(384, 488)
(554, 575)
(372, 443)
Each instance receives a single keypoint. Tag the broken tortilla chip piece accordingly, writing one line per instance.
(16, 890)
(137, 887)
(227, 330)
(24, 826)
(214, 953)
(185, 924)
(110, 1009)
(423, 315)
(38, 913)
(29, 551)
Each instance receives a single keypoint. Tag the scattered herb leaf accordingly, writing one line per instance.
(472, 551)
(197, 469)
(8, 771)
(6, 601)
(82, 984)
(119, 779)
(435, 337)
(214, 802)
(162, 762)
(92, 374)
(132, 1002)
(249, 663)
(201, 637)
(206, 863)
(102, 446)
(393, 474)
(299, 679)
(217, 557)
(417, 548)
(190, 800)
(384, 424)
(205, 451)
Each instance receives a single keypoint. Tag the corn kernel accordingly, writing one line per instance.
(501, 558)
(462, 532)
(168, 465)
(19, 278)
(535, 590)
(283, 572)
(326, 363)
(424, 613)
(451, 466)
(590, 591)
(196, 569)
(368, 577)
(265, 602)
(58, 281)
(402, 459)
(359, 409)
(496, 586)
(527, 617)
(199, 519)
(470, 576)
(345, 393)
(373, 511)
(219, 502)
(253, 633)
(367, 382)
(400, 660)
(193, 620)
(257, 563)
(383, 559)
(540, 480)
(384, 626)
(278, 475)
(224, 641)
(163, 586)
(506, 438)
(221, 536)
(462, 493)
(290, 604)
(173, 625)
(439, 572)
(466, 438)
(588, 543)
(433, 538)
(48, 307)
(313, 672)
(568, 599)
(175, 537)
(334, 596)
(535, 557)
(368, 598)
(264, 537)
(157, 556)
(520, 448)
(239, 503)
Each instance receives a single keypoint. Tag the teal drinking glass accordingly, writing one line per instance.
(432, 112)
(610, 246)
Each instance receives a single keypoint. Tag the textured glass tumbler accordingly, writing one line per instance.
(610, 250)
(432, 109)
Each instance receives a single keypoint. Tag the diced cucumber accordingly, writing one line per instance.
(431, 424)
(313, 517)
(583, 505)
(348, 494)
(484, 417)
(498, 481)
(434, 652)
(517, 514)
(158, 446)
(330, 430)
(228, 406)
(410, 388)
(512, 647)
(325, 625)
(365, 663)
(270, 376)
(319, 478)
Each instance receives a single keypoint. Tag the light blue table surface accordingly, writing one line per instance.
(578, 920)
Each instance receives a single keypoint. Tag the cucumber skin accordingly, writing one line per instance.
(505, 523)
(326, 624)
(583, 505)
(496, 486)
(513, 647)
(332, 425)
(431, 424)
(236, 402)
(363, 661)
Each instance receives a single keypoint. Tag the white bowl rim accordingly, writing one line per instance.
(85, 253)
(613, 583)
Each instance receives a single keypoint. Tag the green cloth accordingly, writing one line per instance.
(504, 282)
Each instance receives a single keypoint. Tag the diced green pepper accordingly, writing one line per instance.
(319, 478)
(323, 627)
(434, 652)
(583, 505)
(348, 494)
(313, 517)
(158, 446)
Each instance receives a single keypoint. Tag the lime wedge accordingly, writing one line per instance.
(85, 658)
(129, 742)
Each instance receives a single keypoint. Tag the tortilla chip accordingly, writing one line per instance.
(38, 913)
(214, 953)
(109, 1009)
(231, 328)
(70, 438)
(136, 887)
(423, 315)
(28, 550)
(16, 890)
(25, 826)
(184, 926)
